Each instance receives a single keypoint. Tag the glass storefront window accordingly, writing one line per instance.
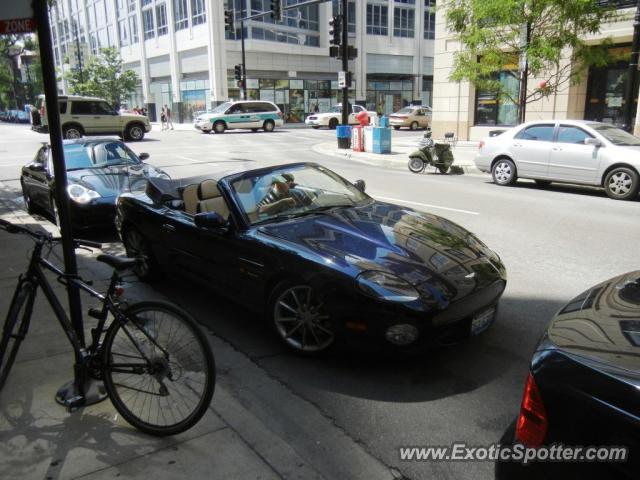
(492, 110)
(388, 96)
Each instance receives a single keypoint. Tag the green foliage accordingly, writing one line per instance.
(13, 93)
(103, 77)
(489, 33)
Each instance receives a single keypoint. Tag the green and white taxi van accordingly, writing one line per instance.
(250, 114)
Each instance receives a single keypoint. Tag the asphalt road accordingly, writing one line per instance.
(555, 242)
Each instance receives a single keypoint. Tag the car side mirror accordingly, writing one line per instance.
(210, 221)
(593, 142)
(143, 156)
(37, 167)
(360, 185)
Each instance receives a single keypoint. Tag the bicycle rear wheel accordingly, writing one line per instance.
(15, 328)
(158, 368)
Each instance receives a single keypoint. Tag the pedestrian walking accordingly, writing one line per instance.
(163, 120)
(167, 117)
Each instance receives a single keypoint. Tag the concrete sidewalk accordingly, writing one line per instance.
(189, 126)
(239, 438)
(463, 152)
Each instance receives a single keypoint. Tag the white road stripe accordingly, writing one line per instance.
(428, 205)
(193, 160)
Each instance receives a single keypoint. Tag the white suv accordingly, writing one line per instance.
(91, 116)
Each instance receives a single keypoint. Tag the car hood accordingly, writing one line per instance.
(133, 116)
(114, 180)
(426, 250)
(602, 326)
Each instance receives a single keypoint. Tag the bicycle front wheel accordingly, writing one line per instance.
(15, 328)
(158, 368)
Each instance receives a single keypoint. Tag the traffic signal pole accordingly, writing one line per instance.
(244, 59)
(344, 51)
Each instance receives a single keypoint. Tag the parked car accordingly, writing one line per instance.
(251, 114)
(333, 118)
(326, 262)
(22, 117)
(568, 151)
(583, 385)
(91, 116)
(412, 117)
(98, 170)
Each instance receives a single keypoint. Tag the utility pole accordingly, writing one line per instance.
(244, 60)
(632, 75)
(524, 71)
(344, 51)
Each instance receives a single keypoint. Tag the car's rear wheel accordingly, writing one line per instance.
(269, 126)
(219, 127)
(413, 126)
(504, 172)
(333, 123)
(72, 131)
(138, 247)
(622, 183)
(299, 318)
(28, 204)
(396, 128)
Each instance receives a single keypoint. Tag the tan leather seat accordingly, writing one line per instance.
(190, 198)
(211, 199)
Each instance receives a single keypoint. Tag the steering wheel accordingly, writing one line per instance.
(301, 197)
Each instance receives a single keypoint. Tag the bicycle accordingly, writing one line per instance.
(156, 364)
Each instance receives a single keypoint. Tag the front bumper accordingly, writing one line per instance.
(314, 123)
(399, 123)
(95, 214)
(445, 327)
(203, 126)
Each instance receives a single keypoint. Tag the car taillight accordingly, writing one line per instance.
(532, 424)
(481, 144)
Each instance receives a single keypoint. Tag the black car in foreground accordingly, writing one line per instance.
(325, 261)
(98, 170)
(583, 387)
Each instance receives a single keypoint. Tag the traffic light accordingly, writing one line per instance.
(228, 20)
(276, 10)
(335, 32)
(238, 72)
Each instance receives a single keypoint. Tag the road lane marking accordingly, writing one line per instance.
(428, 205)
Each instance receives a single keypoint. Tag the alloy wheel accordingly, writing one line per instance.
(136, 247)
(620, 183)
(300, 320)
(71, 133)
(135, 133)
(503, 172)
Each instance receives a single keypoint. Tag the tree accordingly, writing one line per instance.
(490, 34)
(13, 92)
(104, 77)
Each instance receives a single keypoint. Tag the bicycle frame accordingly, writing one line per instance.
(36, 275)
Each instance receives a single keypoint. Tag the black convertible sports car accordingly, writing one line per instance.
(325, 260)
(98, 170)
(583, 388)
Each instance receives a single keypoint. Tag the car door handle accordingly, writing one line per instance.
(167, 227)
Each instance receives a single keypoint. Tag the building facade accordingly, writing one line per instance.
(471, 114)
(185, 59)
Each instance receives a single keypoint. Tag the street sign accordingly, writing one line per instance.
(16, 17)
(342, 79)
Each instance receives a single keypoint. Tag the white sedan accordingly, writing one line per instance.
(567, 151)
(333, 118)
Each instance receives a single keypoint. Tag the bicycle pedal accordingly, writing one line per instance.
(95, 313)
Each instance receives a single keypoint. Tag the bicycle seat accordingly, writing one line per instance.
(119, 263)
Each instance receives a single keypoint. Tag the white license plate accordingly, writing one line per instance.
(482, 320)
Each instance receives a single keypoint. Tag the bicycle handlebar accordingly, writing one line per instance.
(45, 236)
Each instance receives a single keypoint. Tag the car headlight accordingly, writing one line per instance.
(386, 286)
(80, 194)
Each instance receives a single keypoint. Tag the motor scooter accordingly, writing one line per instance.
(437, 154)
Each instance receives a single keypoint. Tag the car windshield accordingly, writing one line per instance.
(294, 191)
(98, 155)
(616, 135)
(337, 109)
(221, 108)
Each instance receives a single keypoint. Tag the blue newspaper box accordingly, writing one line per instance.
(381, 140)
(343, 132)
(384, 121)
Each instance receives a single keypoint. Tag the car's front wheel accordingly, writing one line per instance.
(299, 318)
(28, 204)
(269, 126)
(134, 132)
(622, 183)
(219, 127)
(333, 124)
(504, 172)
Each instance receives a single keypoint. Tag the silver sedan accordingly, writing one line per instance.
(567, 151)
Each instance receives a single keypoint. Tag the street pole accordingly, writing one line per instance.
(73, 393)
(524, 72)
(244, 60)
(344, 49)
(632, 75)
